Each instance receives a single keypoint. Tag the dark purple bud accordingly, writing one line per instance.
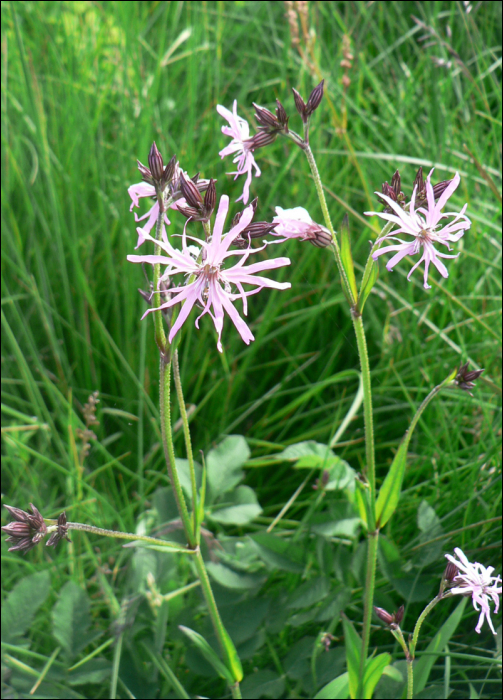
(314, 99)
(261, 139)
(169, 172)
(155, 163)
(321, 237)
(210, 198)
(383, 615)
(265, 118)
(451, 571)
(190, 192)
(399, 614)
(27, 530)
(466, 378)
(419, 183)
(282, 115)
(61, 532)
(300, 105)
(145, 173)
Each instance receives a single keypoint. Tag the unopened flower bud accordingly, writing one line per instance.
(61, 532)
(321, 237)
(300, 105)
(466, 378)
(282, 115)
(27, 529)
(261, 139)
(155, 163)
(210, 198)
(393, 620)
(266, 119)
(314, 99)
(190, 192)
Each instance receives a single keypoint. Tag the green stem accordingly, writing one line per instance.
(368, 421)
(84, 527)
(226, 645)
(169, 452)
(188, 442)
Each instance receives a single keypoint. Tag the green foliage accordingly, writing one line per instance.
(87, 88)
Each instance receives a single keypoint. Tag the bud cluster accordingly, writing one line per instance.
(256, 229)
(198, 209)
(305, 110)
(395, 193)
(465, 379)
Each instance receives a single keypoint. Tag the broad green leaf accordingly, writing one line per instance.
(71, 618)
(325, 525)
(307, 448)
(370, 275)
(264, 683)
(22, 604)
(224, 464)
(373, 671)
(435, 648)
(309, 593)
(93, 671)
(338, 689)
(353, 645)
(240, 507)
(232, 579)
(208, 653)
(278, 553)
(347, 258)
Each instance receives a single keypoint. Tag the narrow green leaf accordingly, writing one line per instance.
(338, 689)
(208, 653)
(373, 671)
(353, 645)
(370, 275)
(389, 493)
(347, 258)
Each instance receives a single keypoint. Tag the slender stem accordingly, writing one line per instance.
(119, 535)
(186, 433)
(224, 641)
(373, 534)
(160, 336)
(169, 452)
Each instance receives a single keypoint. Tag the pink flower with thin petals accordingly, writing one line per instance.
(296, 223)
(211, 284)
(423, 225)
(239, 131)
(138, 191)
(476, 580)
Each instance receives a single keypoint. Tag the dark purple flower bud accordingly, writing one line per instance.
(257, 229)
(155, 163)
(261, 139)
(383, 615)
(169, 172)
(61, 532)
(210, 198)
(237, 217)
(27, 530)
(314, 99)
(282, 115)
(300, 105)
(451, 571)
(321, 237)
(266, 119)
(190, 192)
(393, 620)
(466, 378)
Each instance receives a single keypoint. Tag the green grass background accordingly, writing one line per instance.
(86, 88)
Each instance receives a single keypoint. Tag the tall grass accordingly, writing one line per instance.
(86, 89)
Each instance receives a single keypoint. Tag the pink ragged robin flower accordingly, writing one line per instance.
(136, 192)
(296, 223)
(425, 227)
(241, 144)
(209, 283)
(477, 581)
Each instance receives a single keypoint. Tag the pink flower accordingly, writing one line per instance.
(423, 226)
(239, 131)
(476, 580)
(296, 223)
(136, 192)
(210, 284)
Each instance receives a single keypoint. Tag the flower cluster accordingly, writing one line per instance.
(423, 225)
(210, 285)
